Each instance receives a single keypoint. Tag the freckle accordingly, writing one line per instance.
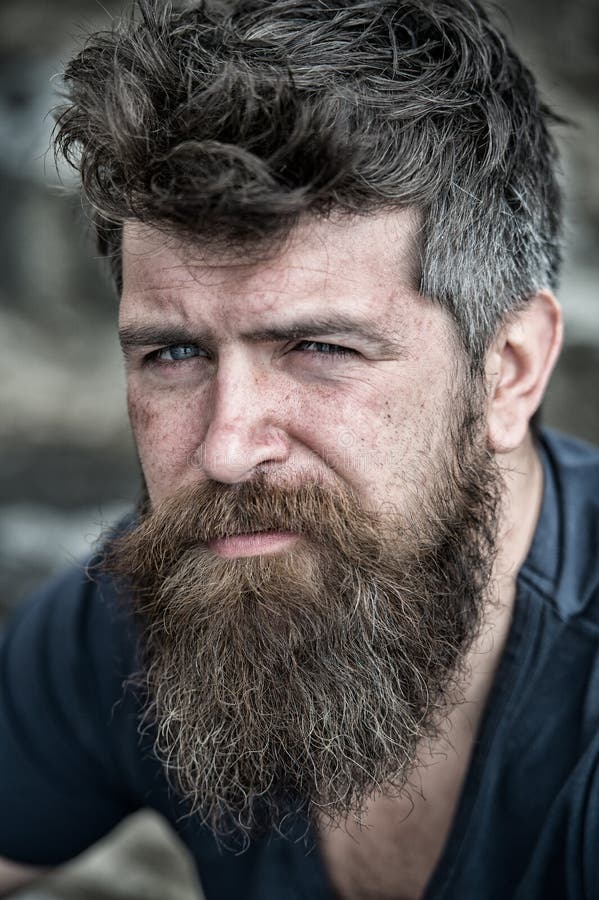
(141, 414)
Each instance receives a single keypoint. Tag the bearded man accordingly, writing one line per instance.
(347, 643)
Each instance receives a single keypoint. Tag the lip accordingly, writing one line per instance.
(253, 544)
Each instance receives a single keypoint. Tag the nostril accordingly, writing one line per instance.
(241, 443)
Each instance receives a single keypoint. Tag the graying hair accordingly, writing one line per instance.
(226, 120)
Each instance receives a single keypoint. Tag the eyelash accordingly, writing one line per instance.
(154, 356)
(335, 350)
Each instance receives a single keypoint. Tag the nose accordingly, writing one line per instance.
(244, 429)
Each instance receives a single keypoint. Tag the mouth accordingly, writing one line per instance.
(253, 543)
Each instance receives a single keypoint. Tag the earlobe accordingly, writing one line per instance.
(519, 365)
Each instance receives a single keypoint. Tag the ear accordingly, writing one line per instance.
(518, 367)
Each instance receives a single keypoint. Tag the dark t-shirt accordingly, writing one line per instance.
(72, 763)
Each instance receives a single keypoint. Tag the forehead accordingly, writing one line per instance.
(365, 264)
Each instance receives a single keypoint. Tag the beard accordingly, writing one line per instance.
(305, 681)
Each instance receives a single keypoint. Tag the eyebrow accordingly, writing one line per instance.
(146, 335)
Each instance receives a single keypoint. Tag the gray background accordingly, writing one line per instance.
(67, 464)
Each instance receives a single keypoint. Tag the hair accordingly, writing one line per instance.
(227, 121)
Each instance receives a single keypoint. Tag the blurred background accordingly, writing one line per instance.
(68, 466)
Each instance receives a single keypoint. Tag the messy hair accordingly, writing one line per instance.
(227, 120)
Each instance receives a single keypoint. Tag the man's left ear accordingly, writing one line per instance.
(518, 367)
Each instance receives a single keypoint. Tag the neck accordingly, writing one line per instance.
(523, 493)
(523, 478)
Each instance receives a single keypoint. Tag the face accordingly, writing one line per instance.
(322, 363)
(312, 567)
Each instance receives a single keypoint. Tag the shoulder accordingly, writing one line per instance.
(77, 615)
(573, 458)
(68, 653)
(569, 525)
(68, 726)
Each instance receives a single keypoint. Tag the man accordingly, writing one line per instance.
(347, 644)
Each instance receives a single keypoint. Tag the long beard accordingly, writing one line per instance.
(303, 681)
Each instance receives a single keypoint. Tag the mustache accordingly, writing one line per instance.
(328, 515)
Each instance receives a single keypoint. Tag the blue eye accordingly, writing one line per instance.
(325, 349)
(177, 353)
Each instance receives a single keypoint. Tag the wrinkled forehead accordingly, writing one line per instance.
(346, 276)
(374, 247)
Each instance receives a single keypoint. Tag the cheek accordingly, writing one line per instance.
(383, 441)
(167, 432)
(353, 430)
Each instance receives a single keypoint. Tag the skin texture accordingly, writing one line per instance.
(239, 402)
(287, 406)
(290, 410)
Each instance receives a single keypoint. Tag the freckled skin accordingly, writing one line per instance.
(373, 420)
